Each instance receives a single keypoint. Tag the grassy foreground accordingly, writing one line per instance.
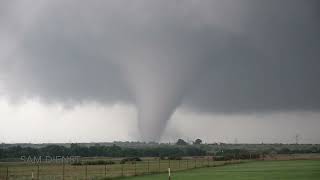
(258, 170)
(56, 171)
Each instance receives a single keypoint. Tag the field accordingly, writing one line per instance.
(21, 171)
(257, 170)
(200, 168)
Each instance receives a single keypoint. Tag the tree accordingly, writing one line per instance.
(181, 142)
(197, 141)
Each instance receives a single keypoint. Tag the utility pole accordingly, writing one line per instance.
(297, 138)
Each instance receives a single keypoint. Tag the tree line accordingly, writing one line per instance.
(101, 151)
(172, 151)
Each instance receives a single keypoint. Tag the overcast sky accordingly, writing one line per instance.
(220, 70)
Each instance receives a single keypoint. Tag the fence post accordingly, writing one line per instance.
(187, 164)
(169, 164)
(122, 170)
(62, 169)
(135, 168)
(38, 172)
(7, 176)
(159, 165)
(195, 163)
(148, 166)
(179, 163)
(105, 170)
(86, 172)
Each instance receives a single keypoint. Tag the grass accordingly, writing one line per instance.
(22, 171)
(258, 170)
(182, 170)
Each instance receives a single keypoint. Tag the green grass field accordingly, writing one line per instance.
(182, 170)
(258, 170)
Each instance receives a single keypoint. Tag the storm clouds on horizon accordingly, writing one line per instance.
(213, 57)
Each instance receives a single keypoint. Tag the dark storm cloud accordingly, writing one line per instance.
(268, 60)
(272, 66)
(215, 56)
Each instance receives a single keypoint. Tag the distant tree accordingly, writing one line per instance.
(198, 141)
(284, 151)
(181, 142)
(193, 151)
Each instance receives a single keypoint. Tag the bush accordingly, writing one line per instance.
(285, 151)
(174, 157)
(76, 164)
(133, 159)
(98, 162)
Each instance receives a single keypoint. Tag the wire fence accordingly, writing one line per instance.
(92, 172)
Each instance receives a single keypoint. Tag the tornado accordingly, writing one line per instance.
(161, 59)
(158, 82)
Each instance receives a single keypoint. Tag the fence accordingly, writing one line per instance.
(90, 172)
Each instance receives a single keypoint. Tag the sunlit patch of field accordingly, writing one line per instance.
(257, 170)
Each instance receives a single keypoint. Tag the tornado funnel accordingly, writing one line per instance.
(158, 82)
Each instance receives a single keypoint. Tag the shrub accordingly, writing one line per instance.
(132, 159)
(98, 162)
(76, 164)
(174, 158)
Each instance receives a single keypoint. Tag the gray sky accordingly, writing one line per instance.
(120, 70)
